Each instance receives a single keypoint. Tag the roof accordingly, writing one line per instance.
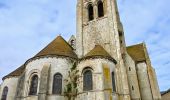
(165, 92)
(16, 72)
(98, 51)
(58, 47)
(137, 52)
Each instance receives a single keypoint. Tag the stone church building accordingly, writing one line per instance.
(94, 65)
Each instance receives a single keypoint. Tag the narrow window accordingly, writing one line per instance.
(132, 88)
(113, 82)
(120, 37)
(87, 80)
(34, 85)
(90, 12)
(4, 93)
(100, 9)
(72, 42)
(57, 84)
(129, 69)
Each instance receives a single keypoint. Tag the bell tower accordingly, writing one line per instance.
(98, 23)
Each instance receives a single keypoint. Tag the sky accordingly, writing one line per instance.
(26, 26)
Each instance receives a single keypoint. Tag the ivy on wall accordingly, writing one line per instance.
(71, 86)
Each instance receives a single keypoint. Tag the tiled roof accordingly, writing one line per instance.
(98, 51)
(165, 92)
(16, 72)
(57, 47)
(137, 52)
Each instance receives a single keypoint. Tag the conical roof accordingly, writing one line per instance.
(98, 51)
(16, 72)
(58, 47)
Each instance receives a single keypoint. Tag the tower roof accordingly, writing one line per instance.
(137, 52)
(98, 51)
(58, 47)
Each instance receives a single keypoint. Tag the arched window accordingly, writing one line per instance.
(4, 93)
(87, 80)
(113, 82)
(100, 9)
(33, 85)
(72, 43)
(90, 12)
(57, 84)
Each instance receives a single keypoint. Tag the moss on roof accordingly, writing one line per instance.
(58, 47)
(16, 72)
(98, 51)
(137, 52)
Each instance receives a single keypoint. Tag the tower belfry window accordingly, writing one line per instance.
(90, 12)
(100, 9)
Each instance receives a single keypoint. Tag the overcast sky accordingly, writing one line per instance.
(26, 26)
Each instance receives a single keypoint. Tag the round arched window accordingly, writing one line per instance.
(33, 85)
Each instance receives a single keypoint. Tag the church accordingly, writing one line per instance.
(95, 64)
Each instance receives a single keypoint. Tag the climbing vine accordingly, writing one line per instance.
(71, 86)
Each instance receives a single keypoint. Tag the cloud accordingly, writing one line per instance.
(26, 26)
(148, 20)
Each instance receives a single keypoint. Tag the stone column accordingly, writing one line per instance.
(144, 84)
(20, 88)
(44, 82)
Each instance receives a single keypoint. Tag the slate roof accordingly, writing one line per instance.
(137, 52)
(98, 51)
(57, 47)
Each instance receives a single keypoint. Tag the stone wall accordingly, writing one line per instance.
(144, 83)
(102, 84)
(56, 65)
(132, 78)
(11, 83)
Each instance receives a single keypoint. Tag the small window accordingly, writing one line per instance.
(90, 12)
(87, 80)
(4, 93)
(132, 88)
(33, 85)
(57, 84)
(120, 33)
(129, 69)
(100, 9)
(113, 82)
(72, 42)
